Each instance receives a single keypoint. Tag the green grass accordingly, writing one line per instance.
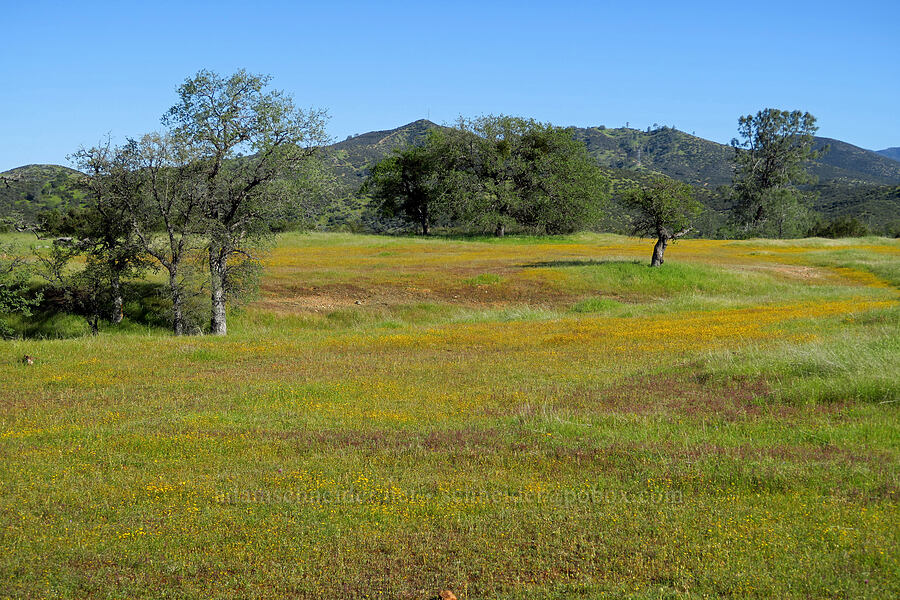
(484, 279)
(526, 418)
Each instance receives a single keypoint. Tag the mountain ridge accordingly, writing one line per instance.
(892, 153)
(851, 180)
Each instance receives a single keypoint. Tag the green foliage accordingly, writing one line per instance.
(516, 172)
(87, 291)
(248, 141)
(664, 209)
(771, 159)
(874, 205)
(842, 227)
(408, 184)
(27, 191)
(596, 305)
(492, 173)
(14, 291)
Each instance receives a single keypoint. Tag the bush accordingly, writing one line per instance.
(840, 227)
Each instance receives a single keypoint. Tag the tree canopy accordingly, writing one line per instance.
(770, 161)
(409, 184)
(493, 173)
(251, 144)
(519, 172)
(665, 209)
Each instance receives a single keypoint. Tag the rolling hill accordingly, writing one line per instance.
(851, 180)
(706, 163)
(26, 191)
(892, 153)
(352, 157)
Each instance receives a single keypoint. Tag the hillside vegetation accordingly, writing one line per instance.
(27, 191)
(504, 418)
(892, 153)
(851, 181)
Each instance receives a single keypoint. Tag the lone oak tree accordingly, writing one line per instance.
(249, 140)
(664, 209)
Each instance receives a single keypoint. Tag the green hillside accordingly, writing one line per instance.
(665, 150)
(26, 191)
(352, 157)
(706, 163)
(852, 181)
(878, 206)
(851, 164)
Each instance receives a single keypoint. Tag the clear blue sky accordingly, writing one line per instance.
(72, 72)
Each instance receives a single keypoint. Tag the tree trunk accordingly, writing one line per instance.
(500, 231)
(94, 322)
(177, 302)
(423, 217)
(658, 250)
(217, 264)
(118, 312)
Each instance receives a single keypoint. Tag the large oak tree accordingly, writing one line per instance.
(250, 142)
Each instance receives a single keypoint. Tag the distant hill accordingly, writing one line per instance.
(851, 164)
(892, 153)
(352, 157)
(852, 180)
(878, 206)
(706, 163)
(26, 191)
(665, 150)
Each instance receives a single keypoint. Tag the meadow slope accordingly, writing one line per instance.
(526, 417)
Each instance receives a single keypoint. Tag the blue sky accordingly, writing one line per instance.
(73, 72)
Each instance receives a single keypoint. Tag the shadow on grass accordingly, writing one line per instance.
(582, 263)
(146, 308)
(516, 237)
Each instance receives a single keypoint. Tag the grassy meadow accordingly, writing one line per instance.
(510, 418)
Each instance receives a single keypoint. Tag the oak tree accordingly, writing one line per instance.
(512, 171)
(407, 184)
(664, 209)
(250, 142)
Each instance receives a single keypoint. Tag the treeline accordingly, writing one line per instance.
(497, 174)
(236, 161)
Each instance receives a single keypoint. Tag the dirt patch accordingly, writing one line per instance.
(283, 298)
(682, 395)
(792, 271)
(294, 298)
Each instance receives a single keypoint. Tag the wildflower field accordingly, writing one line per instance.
(515, 418)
